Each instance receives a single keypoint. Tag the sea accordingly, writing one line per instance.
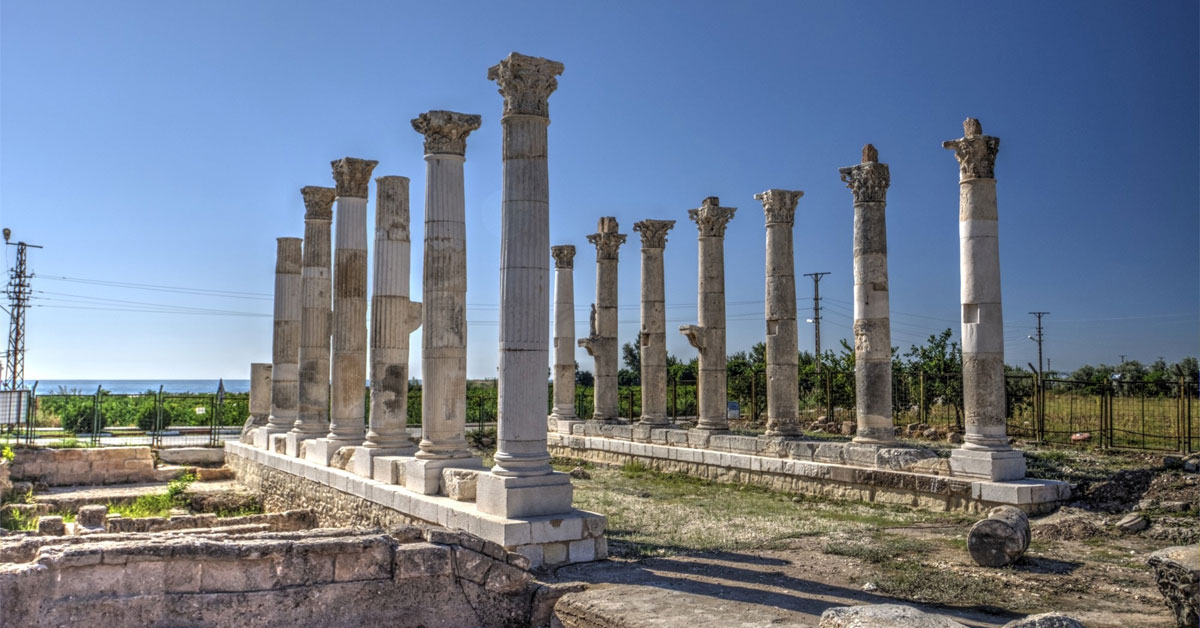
(134, 386)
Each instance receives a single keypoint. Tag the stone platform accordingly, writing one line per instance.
(908, 476)
(342, 498)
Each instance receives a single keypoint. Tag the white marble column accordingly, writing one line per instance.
(523, 484)
(315, 289)
(260, 401)
(349, 365)
(285, 343)
(562, 418)
(869, 182)
(985, 451)
(394, 316)
(783, 364)
(709, 336)
(601, 343)
(444, 336)
(653, 336)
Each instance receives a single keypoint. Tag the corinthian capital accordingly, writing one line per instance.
(526, 83)
(711, 218)
(869, 180)
(606, 238)
(780, 205)
(318, 202)
(975, 152)
(352, 176)
(654, 232)
(564, 255)
(446, 131)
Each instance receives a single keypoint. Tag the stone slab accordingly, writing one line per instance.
(292, 444)
(991, 465)
(520, 497)
(425, 476)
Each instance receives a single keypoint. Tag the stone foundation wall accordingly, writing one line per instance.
(319, 578)
(69, 467)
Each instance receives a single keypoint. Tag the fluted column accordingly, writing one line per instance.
(985, 451)
(522, 483)
(653, 336)
(783, 367)
(601, 343)
(260, 402)
(349, 365)
(315, 288)
(285, 344)
(869, 182)
(709, 336)
(563, 413)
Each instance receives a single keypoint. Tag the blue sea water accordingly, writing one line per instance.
(132, 386)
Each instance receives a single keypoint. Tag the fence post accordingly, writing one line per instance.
(156, 440)
(828, 395)
(753, 396)
(95, 440)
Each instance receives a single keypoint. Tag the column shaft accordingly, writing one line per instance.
(783, 369)
(564, 333)
(285, 345)
(653, 336)
(709, 335)
(315, 295)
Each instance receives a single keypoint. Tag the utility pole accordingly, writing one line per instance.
(816, 317)
(1123, 358)
(18, 291)
(1038, 340)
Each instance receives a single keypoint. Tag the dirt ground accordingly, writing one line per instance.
(782, 560)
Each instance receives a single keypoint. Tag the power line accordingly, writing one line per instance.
(816, 319)
(18, 292)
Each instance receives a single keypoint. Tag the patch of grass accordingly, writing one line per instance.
(67, 443)
(921, 583)
(880, 549)
(17, 520)
(157, 505)
(67, 516)
(634, 469)
(7, 453)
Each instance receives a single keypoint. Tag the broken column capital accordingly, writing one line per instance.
(526, 83)
(694, 335)
(446, 131)
(352, 176)
(318, 202)
(564, 255)
(654, 232)
(711, 218)
(606, 238)
(868, 180)
(780, 205)
(975, 152)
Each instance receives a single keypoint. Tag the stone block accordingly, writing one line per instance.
(554, 554)
(519, 497)
(423, 560)
(51, 526)
(93, 517)
(990, 465)
(678, 437)
(834, 453)
(581, 551)
(388, 469)
(620, 432)
(890, 615)
(460, 484)
(263, 438)
(698, 438)
(362, 459)
(1177, 570)
(861, 454)
(658, 436)
(294, 444)
(641, 433)
(533, 553)
(425, 476)
(801, 450)
(550, 529)
(279, 444)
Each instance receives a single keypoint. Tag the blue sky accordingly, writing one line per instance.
(164, 144)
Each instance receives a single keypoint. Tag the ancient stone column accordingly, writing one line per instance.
(444, 289)
(563, 415)
(985, 451)
(522, 484)
(285, 343)
(653, 336)
(349, 365)
(260, 401)
(393, 317)
(869, 182)
(601, 343)
(783, 364)
(315, 288)
(709, 336)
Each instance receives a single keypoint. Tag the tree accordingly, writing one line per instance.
(632, 357)
(583, 378)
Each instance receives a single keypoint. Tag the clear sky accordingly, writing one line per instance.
(165, 144)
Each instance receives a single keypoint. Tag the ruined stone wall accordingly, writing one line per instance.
(316, 578)
(68, 467)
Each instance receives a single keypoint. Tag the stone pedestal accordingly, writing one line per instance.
(783, 366)
(601, 342)
(315, 284)
(285, 343)
(709, 336)
(260, 403)
(349, 366)
(653, 336)
(869, 181)
(521, 454)
(562, 417)
(985, 451)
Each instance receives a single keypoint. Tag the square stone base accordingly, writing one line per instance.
(565, 426)
(520, 497)
(425, 476)
(292, 446)
(992, 465)
(278, 443)
(262, 436)
(362, 461)
(321, 450)
(389, 469)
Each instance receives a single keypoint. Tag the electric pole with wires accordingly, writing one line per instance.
(18, 292)
(816, 317)
(1038, 340)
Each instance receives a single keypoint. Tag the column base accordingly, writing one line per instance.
(424, 476)
(262, 436)
(362, 461)
(993, 465)
(321, 450)
(521, 497)
(293, 440)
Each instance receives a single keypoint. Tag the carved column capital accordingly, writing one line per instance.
(654, 232)
(780, 205)
(446, 131)
(318, 202)
(352, 176)
(869, 180)
(526, 83)
(975, 152)
(564, 255)
(606, 238)
(710, 218)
